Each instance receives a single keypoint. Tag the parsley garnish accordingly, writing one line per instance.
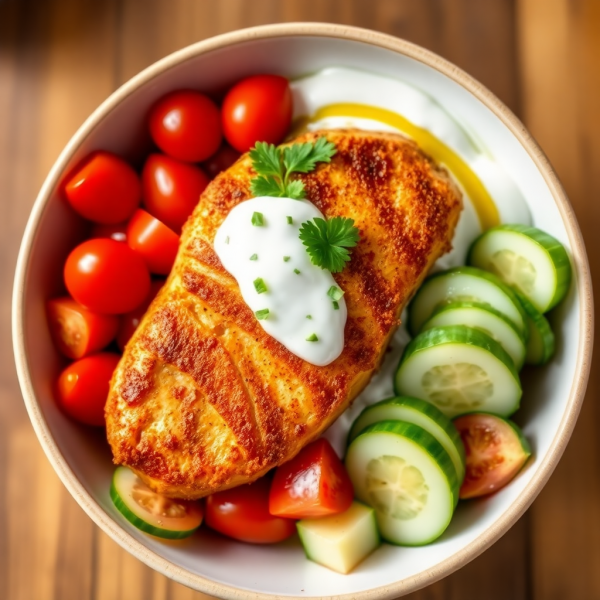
(262, 314)
(259, 285)
(274, 166)
(327, 241)
(258, 219)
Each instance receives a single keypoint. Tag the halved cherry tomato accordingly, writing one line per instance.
(114, 231)
(243, 514)
(106, 276)
(78, 331)
(83, 386)
(171, 189)
(223, 159)
(128, 322)
(257, 109)
(153, 241)
(313, 484)
(495, 450)
(105, 189)
(186, 125)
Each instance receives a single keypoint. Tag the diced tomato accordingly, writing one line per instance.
(105, 189)
(115, 231)
(83, 386)
(257, 109)
(186, 125)
(78, 331)
(495, 452)
(242, 513)
(106, 276)
(171, 189)
(223, 159)
(313, 484)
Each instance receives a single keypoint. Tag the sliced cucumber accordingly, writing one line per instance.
(421, 413)
(407, 477)
(340, 541)
(151, 512)
(531, 261)
(541, 344)
(484, 318)
(459, 370)
(464, 284)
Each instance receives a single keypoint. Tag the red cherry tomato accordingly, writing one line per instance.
(313, 484)
(186, 125)
(115, 231)
(220, 161)
(106, 276)
(153, 241)
(76, 330)
(257, 109)
(105, 189)
(243, 514)
(83, 386)
(171, 189)
(495, 452)
(128, 323)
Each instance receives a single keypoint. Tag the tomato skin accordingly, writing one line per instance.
(313, 484)
(106, 276)
(257, 109)
(186, 125)
(78, 331)
(105, 189)
(223, 159)
(171, 189)
(129, 322)
(242, 513)
(82, 388)
(495, 452)
(114, 231)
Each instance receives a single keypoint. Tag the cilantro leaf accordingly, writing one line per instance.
(265, 186)
(327, 241)
(295, 189)
(266, 159)
(303, 158)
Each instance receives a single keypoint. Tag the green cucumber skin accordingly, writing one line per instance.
(544, 329)
(476, 272)
(142, 525)
(556, 251)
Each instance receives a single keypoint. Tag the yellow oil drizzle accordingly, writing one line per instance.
(485, 207)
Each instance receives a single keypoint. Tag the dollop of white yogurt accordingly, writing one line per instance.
(296, 296)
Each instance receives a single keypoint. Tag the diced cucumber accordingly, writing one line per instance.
(464, 284)
(340, 541)
(531, 261)
(460, 370)
(407, 477)
(541, 344)
(151, 512)
(484, 318)
(421, 413)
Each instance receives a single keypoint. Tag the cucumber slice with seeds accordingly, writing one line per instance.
(483, 318)
(421, 413)
(407, 477)
(459, 370)
(464, 284)
(531, 261)
(541, 344)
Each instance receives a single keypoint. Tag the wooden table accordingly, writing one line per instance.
(60, 58)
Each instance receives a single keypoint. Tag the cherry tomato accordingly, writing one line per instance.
(128, 322)
(105, 189)
(313, 484)
(153, 241)
(76, 330)
(186, 125)
(83, 386)
(115, 231)
(495, 451)
(257, 109)
(106, 276)
(243, 514)
(171, 189)
(220, 161)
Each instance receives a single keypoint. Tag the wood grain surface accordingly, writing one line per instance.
(60, 58)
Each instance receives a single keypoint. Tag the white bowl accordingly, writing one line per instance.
(552, 398)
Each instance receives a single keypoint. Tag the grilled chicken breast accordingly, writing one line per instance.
(203, 399)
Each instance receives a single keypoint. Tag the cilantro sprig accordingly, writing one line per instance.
(274, 166)
(327, 242)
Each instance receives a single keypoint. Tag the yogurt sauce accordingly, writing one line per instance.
(296, 296)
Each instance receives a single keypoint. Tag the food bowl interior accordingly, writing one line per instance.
(210, 562)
